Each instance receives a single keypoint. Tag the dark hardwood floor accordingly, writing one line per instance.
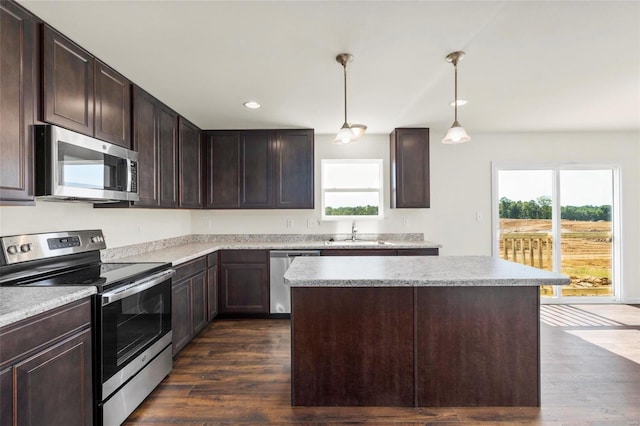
(238, 372)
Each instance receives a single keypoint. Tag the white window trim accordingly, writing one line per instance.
(379, 190)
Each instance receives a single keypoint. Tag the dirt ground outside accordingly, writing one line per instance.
(586, 251)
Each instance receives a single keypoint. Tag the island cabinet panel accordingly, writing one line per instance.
(244, 282)
(486, 352)
(188, 302)
(190, 165)
(113, 106)
(18, 85)
(352, 346)
(46, 368)
(409, 160)
(68, 83)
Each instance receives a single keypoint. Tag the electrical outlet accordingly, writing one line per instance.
(208, 224)
(138, 228)
(289, 223)
(313, 223)
(405, 222)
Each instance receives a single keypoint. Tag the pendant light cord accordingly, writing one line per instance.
(344, 65)
(455, 90)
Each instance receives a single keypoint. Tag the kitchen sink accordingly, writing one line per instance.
(347, 243)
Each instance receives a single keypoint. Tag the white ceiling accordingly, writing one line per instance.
(530, 65)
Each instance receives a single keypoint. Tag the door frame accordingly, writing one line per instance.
(616, 225)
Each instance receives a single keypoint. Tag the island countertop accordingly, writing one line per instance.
(415, 271)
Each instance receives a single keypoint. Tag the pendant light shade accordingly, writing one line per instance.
(457, 133)
(348, 132)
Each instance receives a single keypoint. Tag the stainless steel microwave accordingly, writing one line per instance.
(71, 166)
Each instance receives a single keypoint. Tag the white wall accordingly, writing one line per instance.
(460, 188)
(120, 226)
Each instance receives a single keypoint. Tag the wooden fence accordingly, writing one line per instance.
(535, 248)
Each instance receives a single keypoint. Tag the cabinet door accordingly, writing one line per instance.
(244, 288)
(144, 141)
(410, 168)
(190, 167)
(67, 82)
(54, 387)
(293, 169)
(212, 285)
(19, 68)
(181, 314)
(223, 165)
(168, 150)
(199, 302)
(256, 169)
(6, 397)
(113, 106)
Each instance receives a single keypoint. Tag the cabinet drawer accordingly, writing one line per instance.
(244, 256)
(189, 269)
(32, 334)
(212, 259)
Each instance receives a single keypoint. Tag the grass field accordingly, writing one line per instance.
(586, 251)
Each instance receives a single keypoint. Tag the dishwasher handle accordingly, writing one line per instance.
(293, 253)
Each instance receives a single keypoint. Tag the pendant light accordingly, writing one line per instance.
(456, 134)
(348, 132)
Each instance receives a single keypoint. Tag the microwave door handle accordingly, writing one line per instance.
(136, 287)
(128, 181)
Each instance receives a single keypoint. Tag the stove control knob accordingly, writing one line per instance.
(25, 248)
(95, 239)
(12, 249)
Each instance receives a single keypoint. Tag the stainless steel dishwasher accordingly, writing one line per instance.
(279, 292)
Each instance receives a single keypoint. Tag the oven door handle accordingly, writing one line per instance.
(136, 287)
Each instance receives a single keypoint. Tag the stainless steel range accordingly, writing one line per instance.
(132, 311)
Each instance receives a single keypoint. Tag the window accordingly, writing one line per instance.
(351, 189)
(561, 218)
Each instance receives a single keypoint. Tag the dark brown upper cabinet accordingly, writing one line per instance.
(410, 168)
(83, 94)
(190, 165)
(168, 150)
(222, 164)
(112, 116)
(67, 82)
(19, 71)
(155, 137)
(256, 189)
(293, 169)
(259, 169)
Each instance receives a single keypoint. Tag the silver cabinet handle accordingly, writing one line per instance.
(136, 287)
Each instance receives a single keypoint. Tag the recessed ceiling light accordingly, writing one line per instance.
(252, 105)
(460, 102)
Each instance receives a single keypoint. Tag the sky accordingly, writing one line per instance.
(577, 187)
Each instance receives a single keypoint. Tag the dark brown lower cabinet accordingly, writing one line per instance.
(244, 282)
(46, 368)
(212, 285)
(188, 302)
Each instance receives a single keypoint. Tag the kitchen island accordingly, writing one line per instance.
(415, 331)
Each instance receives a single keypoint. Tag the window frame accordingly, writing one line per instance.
(350, 161)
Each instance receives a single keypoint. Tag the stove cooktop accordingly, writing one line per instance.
(101, 275)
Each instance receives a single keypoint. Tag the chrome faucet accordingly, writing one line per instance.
(353, 231)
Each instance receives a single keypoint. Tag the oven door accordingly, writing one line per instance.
(134, 326)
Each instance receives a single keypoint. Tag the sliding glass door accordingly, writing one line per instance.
(559, 219)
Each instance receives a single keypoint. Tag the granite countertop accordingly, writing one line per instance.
(186, 252)
(415, 271)
(18, 303)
